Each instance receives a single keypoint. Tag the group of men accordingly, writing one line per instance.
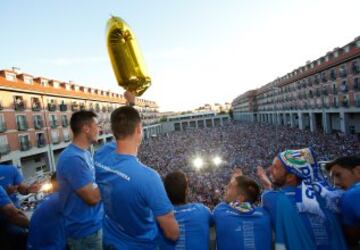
(111, 200)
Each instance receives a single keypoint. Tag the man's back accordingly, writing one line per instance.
(316, 228)
(47, 225)
(194, 221)
(133, 196)
(241, 230)
(74, 171)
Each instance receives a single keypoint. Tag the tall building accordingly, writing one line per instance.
(323, 95)
(35, 115)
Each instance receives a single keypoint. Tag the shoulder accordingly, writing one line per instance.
(8, 168)
(221, 206)
(350, 198)
(105, 149)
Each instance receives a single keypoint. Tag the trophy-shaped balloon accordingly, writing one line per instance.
(125, 56)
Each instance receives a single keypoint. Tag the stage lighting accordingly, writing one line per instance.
(198, 163)
(217, 160)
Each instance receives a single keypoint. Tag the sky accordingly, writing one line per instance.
(197, 52)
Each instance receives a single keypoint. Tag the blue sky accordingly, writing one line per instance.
(196, 51)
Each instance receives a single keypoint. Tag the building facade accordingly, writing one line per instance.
(35, 115)
(323, 95)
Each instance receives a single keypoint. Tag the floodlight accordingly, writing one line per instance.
(198, 163)
(217, 160)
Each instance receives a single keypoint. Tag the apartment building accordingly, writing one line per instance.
(323, 95)
(35, 114)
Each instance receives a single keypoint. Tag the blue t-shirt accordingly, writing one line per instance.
(10, 175)
(133, 196)
(319, 228)
(350, 206)
(47, 226)
(4, 198)
(194, 221)
(105, 149)
(75, 170)
(242, 230)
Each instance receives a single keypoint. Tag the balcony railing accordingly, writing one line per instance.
(22, 125)
(4, 149)
(2, 126)
(25, 145)
(55, 139)
(67, 138)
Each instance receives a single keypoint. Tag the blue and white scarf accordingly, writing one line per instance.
(303, 164)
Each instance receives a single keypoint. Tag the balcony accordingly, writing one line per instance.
(333, 74)
(342, 72)
(19, 105)
(35, 104)
(75, 107)
(51, 107)
(67, 138)
(53, 123)
(55, 139)
(64, 123)
(355, 67)
(41, 142)
(4, 149)
(25, 144)
(63, 107)
(38, 124)
(22, 125)
(356, 84)
(2, 126)
(345, 103)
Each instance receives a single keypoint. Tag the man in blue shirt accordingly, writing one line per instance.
(47, 223)
(133, 194)
(194, 219)
(78, 192)
(12, 216)
(12, 181)
(300, 217)
(345, 172)
(239, 223)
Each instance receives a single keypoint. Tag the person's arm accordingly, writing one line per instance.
(264, 180)
(14, 215)
(81, 180)
(130, 98)
(169, 226)
(90, 194)
(25, 189)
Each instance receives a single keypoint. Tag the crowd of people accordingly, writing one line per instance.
(243, 145)
(267, 192)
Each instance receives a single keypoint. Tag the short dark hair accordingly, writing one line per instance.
(124, 121)
(175, 186)
(348, 162)
(79, 119)
(249, 188)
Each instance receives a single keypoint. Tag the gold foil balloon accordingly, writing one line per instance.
(125, 56)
